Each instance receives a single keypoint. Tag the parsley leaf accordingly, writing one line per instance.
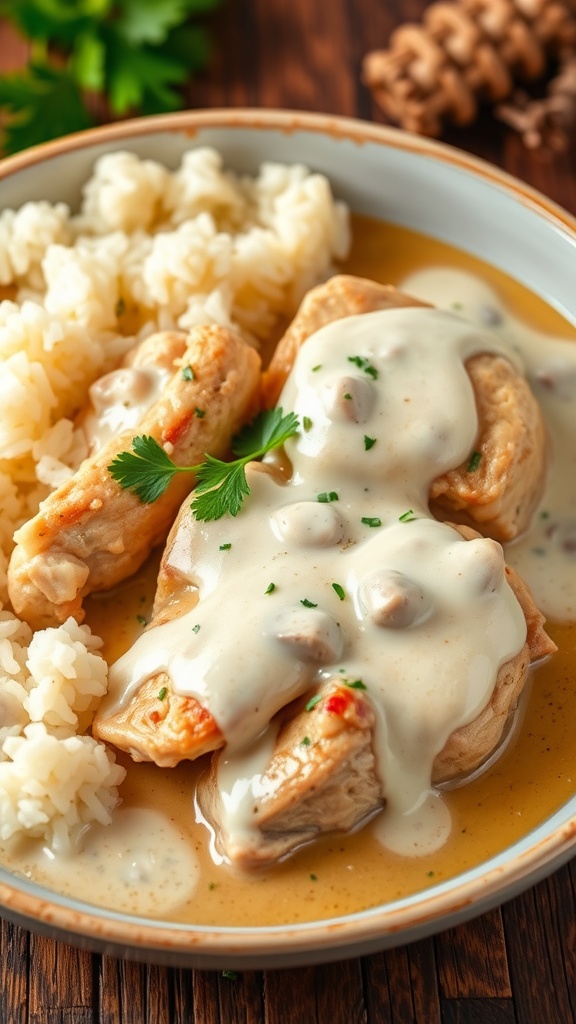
(42, 102)
(220, 486)
(133, 55)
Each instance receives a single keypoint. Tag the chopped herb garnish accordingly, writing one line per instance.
(544, 515)
(314, 877)
(305, 741)
(327, 496)
(369, 442)
(457, 305)
(362, 363)
(199, 413)
(306, 423)
(162, 693)
(475, 460)
(188, 373)
(142, 620)
(339, 590)
(307, 603)
(313, 702)
(196, 628)
(316, 368)
(120, 307)
(225, 547)
(270, 588)
(407, 516)
(371, 521)
(356, 685)
(220, 486)
(231, 975)
(430, 874)
(539, 551)
(211, 885)
(348, 396)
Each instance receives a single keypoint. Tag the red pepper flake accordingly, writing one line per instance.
(336, 704)
(154, 717)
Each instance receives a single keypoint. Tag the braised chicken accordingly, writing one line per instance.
(90, 533)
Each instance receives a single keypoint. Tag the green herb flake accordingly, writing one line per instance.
(369, 442)
(363, 364)
(317, 367)
(199, 413)
(306, 423)
(196, 628)
(338, 589)
(371, 521)
(313, 877)
(544, 515)
(356, 685)
(539, 551)
(211, 885)
(141, 620)
(187, 373)
(270, 588)
(327, 496)
(120, 307)
(430, 874)
(407, 517)
(225, 547)
(162, 693)
(307, 603)
(230, 975)
(475, 460)
(313, 702)
(305, 741)
(457, 306)
(348, 396)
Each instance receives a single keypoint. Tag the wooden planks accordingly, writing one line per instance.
(516, 965)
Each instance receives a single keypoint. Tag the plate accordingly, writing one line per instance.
(417, 184)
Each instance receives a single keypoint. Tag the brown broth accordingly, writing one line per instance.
(533, 778)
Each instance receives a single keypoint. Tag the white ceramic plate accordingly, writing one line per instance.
(421, 185)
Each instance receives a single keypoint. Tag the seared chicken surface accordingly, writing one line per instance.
(498, 498)
(90, 533)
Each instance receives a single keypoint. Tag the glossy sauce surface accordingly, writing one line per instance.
(535, 775)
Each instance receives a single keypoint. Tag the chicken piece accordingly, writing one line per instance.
(90, 533)
(341, 296)
(499, 496)
(321, 778)
(322, 775)
(160, 725)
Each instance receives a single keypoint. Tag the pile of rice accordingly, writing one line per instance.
(150, 249)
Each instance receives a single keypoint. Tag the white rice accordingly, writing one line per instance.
(150, 249)
(54, 780)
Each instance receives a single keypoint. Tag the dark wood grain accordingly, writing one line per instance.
(516, 965)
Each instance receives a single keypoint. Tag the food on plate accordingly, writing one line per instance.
(336, 642)
(189, 393)
(511, 444)
(350, 575)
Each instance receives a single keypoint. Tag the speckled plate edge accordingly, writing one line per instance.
(470, 893)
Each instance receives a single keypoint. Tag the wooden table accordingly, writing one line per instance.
(515, 964)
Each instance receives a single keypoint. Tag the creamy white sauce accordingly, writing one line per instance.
(142, 864)
(119, 401)
(546, 555)
(427, 618)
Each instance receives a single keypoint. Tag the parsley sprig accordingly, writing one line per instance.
(135, 54)
(220, 486)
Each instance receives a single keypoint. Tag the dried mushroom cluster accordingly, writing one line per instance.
(469, 51)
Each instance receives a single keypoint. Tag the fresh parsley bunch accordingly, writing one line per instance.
(133, 54)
